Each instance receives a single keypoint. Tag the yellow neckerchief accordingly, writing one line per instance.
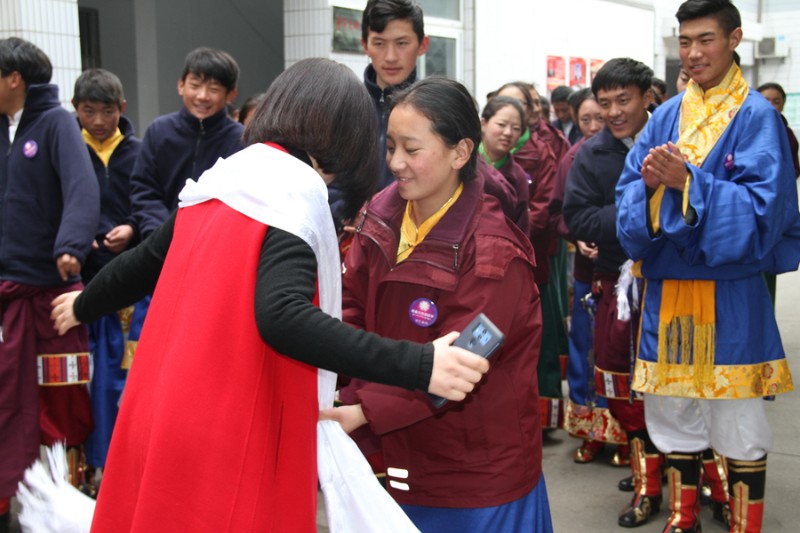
(103, 149)
(411, 235)
(687, 315)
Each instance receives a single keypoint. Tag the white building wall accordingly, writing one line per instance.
(786, 22)
(308, 29)
(52, 25)
(515, 47)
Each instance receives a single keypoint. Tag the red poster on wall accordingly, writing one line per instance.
(556, 74)
(595, 65)
(577, 72)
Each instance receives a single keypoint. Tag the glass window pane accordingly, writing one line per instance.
(445, 9)
(441, 57)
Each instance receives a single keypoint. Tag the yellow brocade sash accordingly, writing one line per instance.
(686, 329)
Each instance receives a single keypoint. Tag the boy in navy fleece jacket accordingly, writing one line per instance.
(113, 148)
(49, 208)
(186, 143)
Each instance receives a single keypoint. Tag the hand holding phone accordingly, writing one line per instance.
(481, 337)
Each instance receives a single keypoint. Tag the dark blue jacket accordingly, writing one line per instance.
(176, 147)
(575, 134)
(381, 97)
(589, 195)
(115, 195)
(49, 199)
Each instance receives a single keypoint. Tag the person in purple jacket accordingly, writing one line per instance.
(49, 210)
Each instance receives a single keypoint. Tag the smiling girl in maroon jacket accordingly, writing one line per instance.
(431, 251)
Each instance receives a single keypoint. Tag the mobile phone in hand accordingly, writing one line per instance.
(481, 337)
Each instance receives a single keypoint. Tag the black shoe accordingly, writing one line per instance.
(722, 512)
(639, 511)
(626, 484)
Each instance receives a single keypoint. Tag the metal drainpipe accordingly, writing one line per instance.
(757, 62)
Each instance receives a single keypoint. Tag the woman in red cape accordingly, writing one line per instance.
(217, 426)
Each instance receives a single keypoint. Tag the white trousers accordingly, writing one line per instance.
(734, 428)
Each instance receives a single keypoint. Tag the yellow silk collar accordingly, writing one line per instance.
(105, 148)
(411, 235)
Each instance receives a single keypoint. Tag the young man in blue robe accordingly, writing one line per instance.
(706, 202)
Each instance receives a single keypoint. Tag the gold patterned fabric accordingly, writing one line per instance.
(732, 382)
(594, 423)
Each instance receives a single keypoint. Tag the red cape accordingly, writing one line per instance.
(216, 432)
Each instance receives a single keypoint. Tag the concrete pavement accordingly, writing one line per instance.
(584, 498)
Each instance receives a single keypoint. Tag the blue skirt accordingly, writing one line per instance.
(530, 513)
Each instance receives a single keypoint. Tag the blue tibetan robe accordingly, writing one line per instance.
(745, 198)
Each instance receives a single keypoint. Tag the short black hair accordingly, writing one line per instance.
(560, 94)
(660, 84)
(524, 87)
(499, 102)
(772, 85)
(545, 103)
(452, 111)
(249, 105)
(578, 97)
(320, 108)
(211, 64)
(19, 55)
(98, 85)
(723, 10)
(623, 72)
(379, 13)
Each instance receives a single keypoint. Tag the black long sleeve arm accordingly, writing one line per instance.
(286, 317)
(290, 323)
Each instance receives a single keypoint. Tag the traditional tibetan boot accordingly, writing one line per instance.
(76, 466)
(622, 455)
(646, 463)
(588, 451)
(746, 481)
(716, 477)
(683, 475)
(626, 484)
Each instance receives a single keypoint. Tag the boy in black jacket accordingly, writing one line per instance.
(393, 37)
(622, 89)
(113, 148)
(186, 143)
(49, 207)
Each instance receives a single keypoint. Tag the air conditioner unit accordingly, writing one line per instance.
(772, 48)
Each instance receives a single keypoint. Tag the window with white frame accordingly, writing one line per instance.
(445, 29)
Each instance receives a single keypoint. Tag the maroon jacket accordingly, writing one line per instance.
(521, 182)
(537, 160)
(553, 137)
(497, 184)
(486, 450)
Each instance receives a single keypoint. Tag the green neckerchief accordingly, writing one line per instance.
(495, 164)
(522, 140)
